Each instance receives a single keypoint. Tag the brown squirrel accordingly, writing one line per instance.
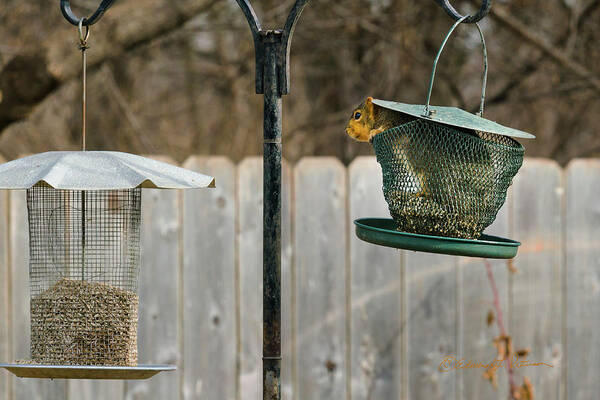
(368, 120)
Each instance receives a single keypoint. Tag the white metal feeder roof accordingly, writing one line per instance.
(97, 170)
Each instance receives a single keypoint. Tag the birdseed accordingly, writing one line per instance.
(84, 323)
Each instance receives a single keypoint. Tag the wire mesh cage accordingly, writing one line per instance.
(445, 181)
(446, 171)
(84, 268)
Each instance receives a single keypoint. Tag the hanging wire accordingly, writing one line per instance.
(83, 46)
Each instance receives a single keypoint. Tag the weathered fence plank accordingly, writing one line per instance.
(158, 328)
(30, 389)
(95, 390)
(5, 350)
(430, 329)
(376, 324)
(321, 272)
(209, 325)
(250, 236)
(476, 335)
(536, 318)
(250, 233)
(288, 285)
(583, 279)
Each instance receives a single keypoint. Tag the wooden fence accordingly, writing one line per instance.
(359, 321)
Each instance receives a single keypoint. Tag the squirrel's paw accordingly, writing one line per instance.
(375, 132)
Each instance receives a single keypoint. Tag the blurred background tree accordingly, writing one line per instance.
(176, 77)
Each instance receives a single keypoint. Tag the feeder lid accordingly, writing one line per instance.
(97, 170)
(454, 117)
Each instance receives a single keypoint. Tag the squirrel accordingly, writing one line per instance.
(369, 119)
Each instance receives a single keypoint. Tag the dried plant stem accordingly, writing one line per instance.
(500, 321)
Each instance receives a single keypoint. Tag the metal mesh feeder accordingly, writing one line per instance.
(83, 268)
(84, 212)
(445, 173)
(446, 181)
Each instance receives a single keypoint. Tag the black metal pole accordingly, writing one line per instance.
(271, 220)
(272, 79)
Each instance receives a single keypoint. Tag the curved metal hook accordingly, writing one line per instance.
(292, 20)
(288, 33)
(65, 7)
(278, 41)
(486, 5)
(250, 15)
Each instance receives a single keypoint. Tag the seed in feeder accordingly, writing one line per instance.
(84, 323)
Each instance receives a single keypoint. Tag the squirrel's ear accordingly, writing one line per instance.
(369, 104)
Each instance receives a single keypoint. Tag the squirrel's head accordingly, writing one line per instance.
(362, 121)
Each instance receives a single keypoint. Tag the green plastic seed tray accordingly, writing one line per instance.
(85, 371)
(383, 232)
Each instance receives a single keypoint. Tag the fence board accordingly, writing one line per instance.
(95, 390)
(430, 325)
(583, 279)
(25, 388)
(5, 351)
(250, 237)
(209, 326)
(475, 301)
(287, 287)
(536, 288)
(250, 204)
(158, 339)
(321, 265)
(376, 296)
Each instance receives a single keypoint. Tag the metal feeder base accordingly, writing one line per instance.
(383, 232)
(85, 371)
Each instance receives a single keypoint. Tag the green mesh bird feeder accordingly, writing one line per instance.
(446, 173)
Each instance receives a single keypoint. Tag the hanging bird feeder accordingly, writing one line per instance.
(84, 210)
(445, 177)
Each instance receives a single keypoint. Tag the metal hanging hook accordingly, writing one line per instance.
(486, 5)
(282, 39)
(65, 7)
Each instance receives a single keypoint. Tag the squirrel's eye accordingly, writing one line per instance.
(357, 115)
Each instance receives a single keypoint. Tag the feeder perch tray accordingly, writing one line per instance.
(383, 232)
(86, 372)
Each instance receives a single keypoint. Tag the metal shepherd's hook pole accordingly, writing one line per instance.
(273, 80)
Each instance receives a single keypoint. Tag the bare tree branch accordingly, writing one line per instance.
(29, 78)
(501, 15)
